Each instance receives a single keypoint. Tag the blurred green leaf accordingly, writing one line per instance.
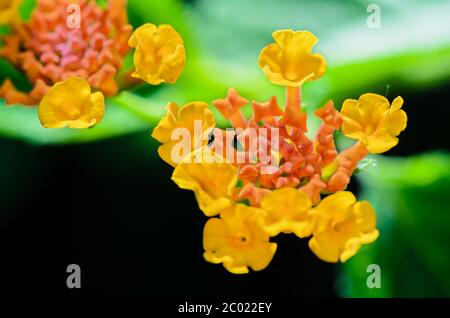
(223, 40)
(26, 8)
(412, 203)
(10, 72)
(23, 123)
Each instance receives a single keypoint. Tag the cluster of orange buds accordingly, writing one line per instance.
(68, 48)
(265, 176)
(50, 47)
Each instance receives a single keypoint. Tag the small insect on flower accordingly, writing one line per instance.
(293, 183)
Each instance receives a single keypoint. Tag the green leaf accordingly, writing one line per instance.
(26, 8)
(10, 72)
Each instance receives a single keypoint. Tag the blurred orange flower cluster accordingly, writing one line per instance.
(84, 52)
(301, 189)
(49, 50)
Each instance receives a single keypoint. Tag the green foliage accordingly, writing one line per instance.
(26, 8)
(223, 40)
(411, 199)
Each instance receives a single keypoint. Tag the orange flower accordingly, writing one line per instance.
(160, 55)
(71, 104)
(238, 241)
(183, 119)
(275, 177)
(213, 184)
(289, 60)
(288, 212)
(373, 121)
(343, 225)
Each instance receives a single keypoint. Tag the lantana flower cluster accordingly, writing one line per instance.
(298, 186)
(72, 58)
(255, 181)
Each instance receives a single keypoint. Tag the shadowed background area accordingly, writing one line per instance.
(103, 199)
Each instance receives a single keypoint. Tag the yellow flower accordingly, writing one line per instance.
(8, 10)
(213, 184)
(160, 55)
(238, 241)
(186, 128)
(288, 212)
(71, 104)
(373, 121)
(289, 60)
(343, 225)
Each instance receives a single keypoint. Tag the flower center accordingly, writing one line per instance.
(242, 239)
(369, 130)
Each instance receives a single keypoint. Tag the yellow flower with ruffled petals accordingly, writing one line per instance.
(160, 54)
(343, 225)
(238, 240)
(213, 184)
(71, 104)
(8, 10)
(373, 121)
(289, 61)
(186, 118)
(288, 212)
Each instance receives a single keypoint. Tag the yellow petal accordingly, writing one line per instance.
(195, 111)
(352, 119)
(379, 142)
(343, 225)
(333, 207)
(238, 241)
(350, 249)
(287, 212)
(186, 128)
(395, 122)
(165, 152)
(212, 183)
(326, 247)
(168, 122)
(160, 54)
(365, 215)
(8, 10)
(289, 61)
(373, 109)
(373, 121)
(397, 103)
(71, 104)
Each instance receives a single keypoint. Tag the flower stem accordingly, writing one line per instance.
(293, 99)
